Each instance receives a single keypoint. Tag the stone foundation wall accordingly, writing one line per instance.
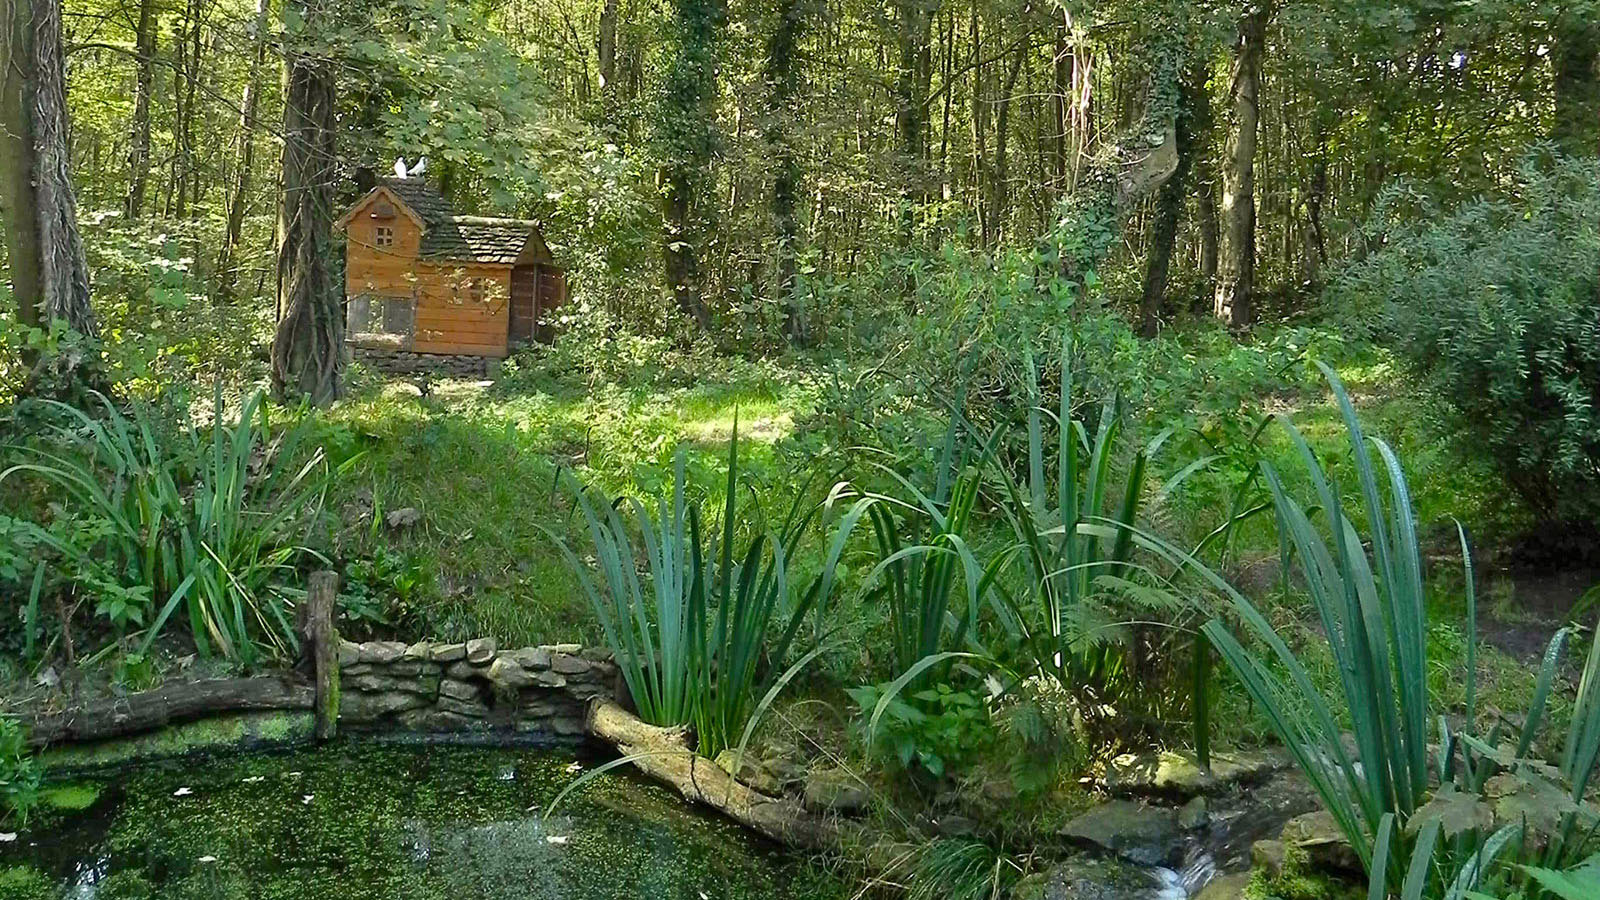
(471, 687)
(406, 362)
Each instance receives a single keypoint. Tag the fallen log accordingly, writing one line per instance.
(664, 755)
(149, 710)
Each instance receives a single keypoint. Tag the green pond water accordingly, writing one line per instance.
(384, 821)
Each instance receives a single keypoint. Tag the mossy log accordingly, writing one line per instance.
(664, 755)
(149, 710)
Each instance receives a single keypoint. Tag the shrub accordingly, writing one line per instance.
(1496, 302)
(155, 518)
(20, 772)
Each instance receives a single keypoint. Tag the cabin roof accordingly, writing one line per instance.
(453, 238)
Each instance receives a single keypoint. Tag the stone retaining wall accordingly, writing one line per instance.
(406, 362)
(471, 687)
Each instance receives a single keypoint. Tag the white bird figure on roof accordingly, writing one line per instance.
(400, 167)
(420, 167)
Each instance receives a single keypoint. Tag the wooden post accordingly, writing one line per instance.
(322, 648)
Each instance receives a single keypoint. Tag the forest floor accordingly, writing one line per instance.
(483, 464)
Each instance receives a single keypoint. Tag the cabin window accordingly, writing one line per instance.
(380, 314)
(383, 236)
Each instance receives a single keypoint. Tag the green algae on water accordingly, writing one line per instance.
(402, 822)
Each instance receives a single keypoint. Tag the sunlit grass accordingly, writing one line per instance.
(480, 463)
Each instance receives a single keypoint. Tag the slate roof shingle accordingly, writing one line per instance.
(447, 236)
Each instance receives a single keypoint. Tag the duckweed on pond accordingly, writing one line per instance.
(391, 822)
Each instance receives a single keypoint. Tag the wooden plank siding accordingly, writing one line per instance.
(456, 307)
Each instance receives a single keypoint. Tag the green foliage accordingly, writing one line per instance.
(962, 869)
(937, 730)
(1074, 534)
(1491, 798)
(156, 517)
(1496, 303)
(693, 643)
(20, 773)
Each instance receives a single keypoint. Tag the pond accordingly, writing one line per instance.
(391, 821)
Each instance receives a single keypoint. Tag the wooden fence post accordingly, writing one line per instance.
(322, 648)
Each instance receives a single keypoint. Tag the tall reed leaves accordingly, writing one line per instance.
(182, 519)
(695, 639)
(1372, 609)
(1075, 533)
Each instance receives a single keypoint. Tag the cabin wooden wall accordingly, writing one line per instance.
(447, 317)
(450, 320)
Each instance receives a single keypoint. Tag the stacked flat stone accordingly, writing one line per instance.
(471, 687)
(406, 362)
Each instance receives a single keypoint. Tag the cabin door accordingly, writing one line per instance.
(524, 304)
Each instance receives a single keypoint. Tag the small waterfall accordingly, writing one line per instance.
(1199, 868)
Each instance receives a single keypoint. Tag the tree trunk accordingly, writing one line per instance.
(913, 29)
(783, 82)
(1232, 302)
(1000, 189)
(307, 351)
(688, 133)
(1576, 60)
(50, 276)
(606, 47)
(144, 81)
(1192, 121)
(245, 158)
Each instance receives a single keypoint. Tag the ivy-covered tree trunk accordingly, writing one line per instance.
(782, 85)
(49, 274)
(1576, 60)
(1194, 115)
(307, 350)
(1236, 261)
(687, 133)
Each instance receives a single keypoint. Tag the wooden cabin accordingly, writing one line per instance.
(422, 281)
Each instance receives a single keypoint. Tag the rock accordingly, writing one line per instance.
(504, 673)
(955, 826)
(439, 720)
(480, 651)
(1193, 815)
(570, 665)
(381, 652)
(404, 517)
(458, 690)
(1140, 833)
(447, 653)
(549, 680)
(363, 707)
(750, 771)
(349, 654)
(472, 709)
(1269, 857)
(533, 658)
(1089, 878)
(1225, 887)
(418, 651)
(568, 649)
(1317, 833)
(567, 725)
(461, 671)
(598, 654)
(1174, 773)
(426, 685)
(834, 790)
